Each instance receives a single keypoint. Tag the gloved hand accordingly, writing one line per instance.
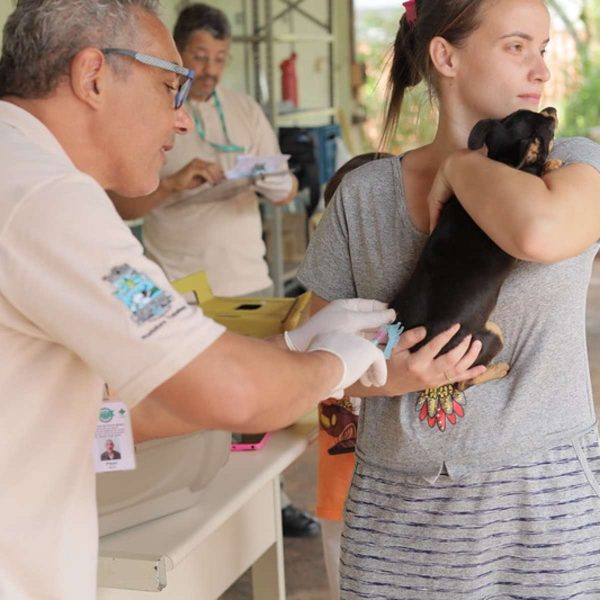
(360, 358)
(352, 316)
(275, 187)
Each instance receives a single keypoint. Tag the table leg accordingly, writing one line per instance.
(268, 572)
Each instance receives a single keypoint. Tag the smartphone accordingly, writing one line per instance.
(248, 441)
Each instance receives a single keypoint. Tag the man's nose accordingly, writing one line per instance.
(211, 67)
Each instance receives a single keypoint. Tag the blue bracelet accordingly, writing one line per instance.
(394, 331)
(392, 334)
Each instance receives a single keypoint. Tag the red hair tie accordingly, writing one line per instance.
(411, 11)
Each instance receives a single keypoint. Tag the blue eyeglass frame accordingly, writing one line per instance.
(154, 61)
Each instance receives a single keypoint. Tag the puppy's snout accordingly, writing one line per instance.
(551, 113)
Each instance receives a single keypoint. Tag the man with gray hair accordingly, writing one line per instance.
(91, 95)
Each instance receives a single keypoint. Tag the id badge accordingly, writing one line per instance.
(113, 445)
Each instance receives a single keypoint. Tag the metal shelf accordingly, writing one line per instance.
(284, 38)
(263, 35)
(290, 268)
(295, 117)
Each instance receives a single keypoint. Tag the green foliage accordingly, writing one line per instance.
(416, 126)
(418, 121)
(582, 110)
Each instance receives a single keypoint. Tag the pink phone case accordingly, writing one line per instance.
(253, 442)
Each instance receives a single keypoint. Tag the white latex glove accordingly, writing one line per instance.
(352, 316)
(360, 358)
(274, 187)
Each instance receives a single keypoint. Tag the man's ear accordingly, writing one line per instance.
(443, 56)
(88, 73)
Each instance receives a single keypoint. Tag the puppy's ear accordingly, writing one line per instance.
(479, 133)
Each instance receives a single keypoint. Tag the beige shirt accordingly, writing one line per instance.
(79, 305)
(218, 229)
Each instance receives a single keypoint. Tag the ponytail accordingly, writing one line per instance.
(454, 20)
(404, 74)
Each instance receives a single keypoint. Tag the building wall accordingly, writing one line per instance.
(6, 7)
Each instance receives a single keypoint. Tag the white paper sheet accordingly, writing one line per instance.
(254, 166)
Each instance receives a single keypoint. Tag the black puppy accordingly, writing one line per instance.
(459, 274)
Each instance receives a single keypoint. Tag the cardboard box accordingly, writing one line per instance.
(256, 317)
(294, 242)
(313, 223)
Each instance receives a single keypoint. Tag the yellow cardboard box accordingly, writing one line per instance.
(256, 317)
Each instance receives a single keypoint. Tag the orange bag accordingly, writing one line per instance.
(338, 421)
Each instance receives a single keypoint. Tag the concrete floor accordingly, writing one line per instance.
(304, 570)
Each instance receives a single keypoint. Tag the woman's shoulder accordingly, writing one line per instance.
(577, 149)
(379, 174)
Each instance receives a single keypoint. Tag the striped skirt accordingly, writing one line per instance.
(530, 531)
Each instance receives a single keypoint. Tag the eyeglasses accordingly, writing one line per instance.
(204, 59)
(153, 61)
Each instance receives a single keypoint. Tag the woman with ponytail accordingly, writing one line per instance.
(505, 502)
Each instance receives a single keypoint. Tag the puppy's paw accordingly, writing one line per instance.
(552, 165)
(493, 372)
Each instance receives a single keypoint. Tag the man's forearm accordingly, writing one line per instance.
(135, 208)
(238, 384)
(151, 420)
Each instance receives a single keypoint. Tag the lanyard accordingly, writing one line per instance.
(228, 147)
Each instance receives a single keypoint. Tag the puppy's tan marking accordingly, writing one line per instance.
(533, 152)
(552, 165)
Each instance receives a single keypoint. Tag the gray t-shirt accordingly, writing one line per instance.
(366, 246)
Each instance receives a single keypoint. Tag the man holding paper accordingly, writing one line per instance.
(205, 215)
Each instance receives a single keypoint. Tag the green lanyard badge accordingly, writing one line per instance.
(228, 147)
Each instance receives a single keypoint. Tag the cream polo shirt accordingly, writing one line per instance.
(217, 229)
(79, 305)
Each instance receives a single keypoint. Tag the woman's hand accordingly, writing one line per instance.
(411, 372)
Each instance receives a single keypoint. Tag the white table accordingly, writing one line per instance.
(196, 554)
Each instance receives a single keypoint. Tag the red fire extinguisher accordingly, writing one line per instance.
(289, 83)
